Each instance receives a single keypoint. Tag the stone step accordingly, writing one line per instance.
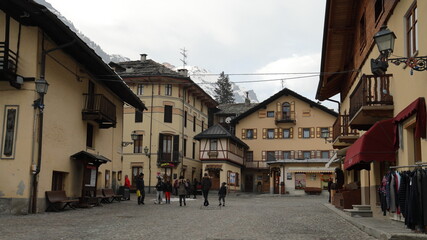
(358, 213)
(362, 207)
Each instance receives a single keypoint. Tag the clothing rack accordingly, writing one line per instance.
(417, 164)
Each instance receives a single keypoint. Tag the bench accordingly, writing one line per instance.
(100, 195)
(57, 198)
(312, 190)
(110, 195)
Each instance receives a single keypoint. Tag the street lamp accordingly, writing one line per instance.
(384, 39)
(41, 88)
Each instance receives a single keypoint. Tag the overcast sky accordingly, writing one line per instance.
(234, 36)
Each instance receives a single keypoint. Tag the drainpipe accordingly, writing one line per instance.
(151, 137)
(37, 167)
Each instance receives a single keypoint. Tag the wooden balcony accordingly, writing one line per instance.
(99, 109)
(8, 63)
(343, 135)
(256, 165)
(282, 117)
(371, 101)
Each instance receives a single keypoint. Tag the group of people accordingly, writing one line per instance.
(183, 188)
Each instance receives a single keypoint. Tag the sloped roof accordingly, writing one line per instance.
(234, 108)
(30, 13)
(284, 92)
(218, 131)
(146, 68)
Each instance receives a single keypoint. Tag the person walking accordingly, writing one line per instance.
(175, 186)
(195, 184)
(127, 185)
(182, 190)
(140, 192)
(189, 188)
(159, 189)
(221, 193)
(206, 186)
(168, 190)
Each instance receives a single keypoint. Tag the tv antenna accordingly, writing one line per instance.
(184, 57)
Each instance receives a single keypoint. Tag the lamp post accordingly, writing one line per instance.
(41, 87)
(148, 154)
(384, 39)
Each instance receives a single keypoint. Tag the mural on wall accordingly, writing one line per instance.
(299, 180)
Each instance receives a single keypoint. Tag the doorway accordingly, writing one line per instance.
(249, 183)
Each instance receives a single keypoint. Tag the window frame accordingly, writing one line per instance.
(213, 142)
(137, 144)
(270, 114)
(306, 152)
(270, 155)
(248, 131)
(304, 130)
(269, 130)
(138, 116)
(168, 112)
(324, 134)
(284, 130)
(90, 132)
(168, 89)
(411, 22)
(140, 89)
(324, 152)
(249, 156)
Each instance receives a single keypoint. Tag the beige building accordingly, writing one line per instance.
(395, 94)
(163, 136)
(287, 135)
(222, 156)
(68, 138)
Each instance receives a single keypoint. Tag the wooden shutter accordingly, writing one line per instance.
(319, 154)
(254, 133)
(313, 154)
(168, 114)
(300, 154)
(331, 129)
(318, 132)
(263, 155)
(280, 133)
(175, 148)
(264, 133)
(160, 150)
(292, 110)
(299, 132)
(275, 133)
(279, 111)
(292, 154)
(262, 113)
(243, 133)
(312, 132)
(291, 132)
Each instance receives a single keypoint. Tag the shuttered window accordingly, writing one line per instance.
(138, 116)
(168, 114)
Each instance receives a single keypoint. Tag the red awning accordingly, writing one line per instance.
(375, 145)
(419, 107)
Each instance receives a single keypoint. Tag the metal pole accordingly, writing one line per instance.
(151, 137)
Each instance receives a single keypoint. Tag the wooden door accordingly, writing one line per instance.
(215, 180)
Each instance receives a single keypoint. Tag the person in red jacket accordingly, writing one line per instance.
(127, 183)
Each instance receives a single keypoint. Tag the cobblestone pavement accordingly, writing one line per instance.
(243, 217)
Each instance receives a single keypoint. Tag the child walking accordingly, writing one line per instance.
(222, 192)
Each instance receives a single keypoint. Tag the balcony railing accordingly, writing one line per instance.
(256, 164)
(168, 158)
(341, 127)
(371, 91)
(98, 108)
(282, 117)
(8, 58)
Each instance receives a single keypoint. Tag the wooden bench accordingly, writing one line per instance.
(110, 195)
(312, 190)
(100, 195)
(57, 198)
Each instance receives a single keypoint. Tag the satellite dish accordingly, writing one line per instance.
(228, 120)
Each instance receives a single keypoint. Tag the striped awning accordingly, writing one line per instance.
(310, 170)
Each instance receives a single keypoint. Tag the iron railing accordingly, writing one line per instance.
(100, 107)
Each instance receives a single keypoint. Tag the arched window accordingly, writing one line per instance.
(286, 111)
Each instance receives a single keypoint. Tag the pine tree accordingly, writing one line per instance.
(223, 91)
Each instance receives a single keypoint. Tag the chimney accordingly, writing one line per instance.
(183, 72)
(247, 101)
(143, 57)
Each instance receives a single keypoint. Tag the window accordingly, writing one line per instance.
(271, 156)
(379, 7)
(168, 90)
(185, 147)
(286, 111)
(286, 133)
(324, 132)
(185, 118)
(137, 144)
(286, 155)
(168, 114)
(306, 154)
(362, 31)
(194, 123)
(213, 144)
(138, 116)
(167, 147)
(249, 156)
(270, 133)
(306, 133)
(140, 89)
(412, 31)
(249, 133)
(325, 154)
(89, 135)
(58, 181)
(107, 179)
(194, 151)
(270, 114)
(203, 126)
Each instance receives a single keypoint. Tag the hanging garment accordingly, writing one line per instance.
(424, 193)
(382, 195)
(392, 193)
(402, 193)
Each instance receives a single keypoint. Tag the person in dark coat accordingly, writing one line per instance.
(206, 186)
(160, 187)
(329, 188)
(168, 191)
(182, 190)
(140, 187)
(221, 193)
(195, 184)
